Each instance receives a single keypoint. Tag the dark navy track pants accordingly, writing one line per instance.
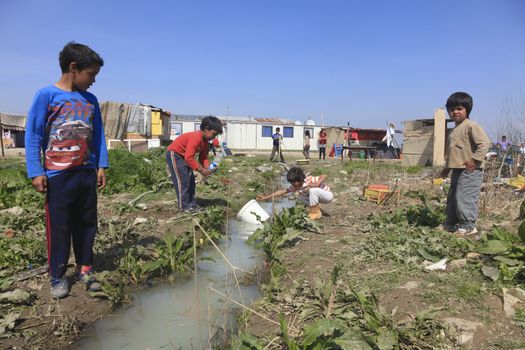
(71, 215)
(183, 180)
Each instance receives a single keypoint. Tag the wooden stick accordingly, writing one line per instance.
(226, 259)
(196, 282)
(249, 309)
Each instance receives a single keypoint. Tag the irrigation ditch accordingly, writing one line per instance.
(355, 279)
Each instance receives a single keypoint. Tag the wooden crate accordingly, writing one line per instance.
(378, 193)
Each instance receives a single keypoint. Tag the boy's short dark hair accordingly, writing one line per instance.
(82, 55)
(295, 174)
(277, 129)
(211, 123)
(460, 99)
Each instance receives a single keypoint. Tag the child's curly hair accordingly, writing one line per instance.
(295, 174)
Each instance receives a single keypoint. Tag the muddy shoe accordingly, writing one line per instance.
(447, 227)
(59, 288)
(315, 212)
(89, 281)
(466, 231)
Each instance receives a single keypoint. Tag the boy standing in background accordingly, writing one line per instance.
(467, 146)
(64, 123)
(277, 143)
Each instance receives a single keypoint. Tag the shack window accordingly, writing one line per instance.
(288, 131)
(176, 129)
(266, 131)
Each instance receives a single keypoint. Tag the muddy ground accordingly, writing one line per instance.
(460, 298)
(352, 236)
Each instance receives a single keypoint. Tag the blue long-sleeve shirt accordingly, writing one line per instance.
(66, 126)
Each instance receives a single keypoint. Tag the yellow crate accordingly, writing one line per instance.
(378, 193)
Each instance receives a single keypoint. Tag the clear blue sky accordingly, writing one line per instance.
(362, 62)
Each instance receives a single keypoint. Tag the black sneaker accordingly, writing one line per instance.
(194, 210)
(89, 281)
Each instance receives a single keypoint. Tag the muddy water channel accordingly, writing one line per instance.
(191, 313)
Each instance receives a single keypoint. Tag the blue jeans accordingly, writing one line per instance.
(463, 196)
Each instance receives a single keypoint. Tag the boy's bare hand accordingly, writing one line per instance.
(470, 165)
(101, 178)
(40, 183)
(260, 198)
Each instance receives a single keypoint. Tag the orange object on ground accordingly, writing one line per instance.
(378, 193)
(332, 151)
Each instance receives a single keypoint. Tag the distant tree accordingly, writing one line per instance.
(512, 121)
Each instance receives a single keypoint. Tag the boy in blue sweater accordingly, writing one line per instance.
(65, 126)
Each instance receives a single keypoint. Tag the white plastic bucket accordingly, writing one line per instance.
(247, 213)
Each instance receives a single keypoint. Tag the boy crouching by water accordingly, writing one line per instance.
(311, 189)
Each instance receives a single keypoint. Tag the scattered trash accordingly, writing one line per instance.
(15, 211)
(440, 265)
(139, 221)
(344, 172)
(263, 169)
(439, 181)
(518, 182)
(142, 206)
(303, 161)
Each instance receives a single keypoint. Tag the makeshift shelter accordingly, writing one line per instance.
(136, 127)
(424, 140)
(358, 136)
(12, 130)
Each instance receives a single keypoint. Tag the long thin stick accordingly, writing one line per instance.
(226, 259)
(196, 282)
(248, 308)
(220, 252)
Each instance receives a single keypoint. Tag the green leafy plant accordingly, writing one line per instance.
(174, 254)
(212, 220)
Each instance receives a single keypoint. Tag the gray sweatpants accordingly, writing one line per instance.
(463, 196)
(316, 195)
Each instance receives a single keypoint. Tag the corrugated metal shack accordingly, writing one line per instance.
(136, 127)
(13, 128)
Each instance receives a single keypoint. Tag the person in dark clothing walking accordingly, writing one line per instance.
(277, 145)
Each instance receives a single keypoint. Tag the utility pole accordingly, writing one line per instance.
(2, 136)
(226, 136)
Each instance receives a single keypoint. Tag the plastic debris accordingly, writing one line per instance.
(440, 265)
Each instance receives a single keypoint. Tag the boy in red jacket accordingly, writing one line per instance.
(180, 157)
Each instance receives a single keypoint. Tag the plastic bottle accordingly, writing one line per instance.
(216, 161)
